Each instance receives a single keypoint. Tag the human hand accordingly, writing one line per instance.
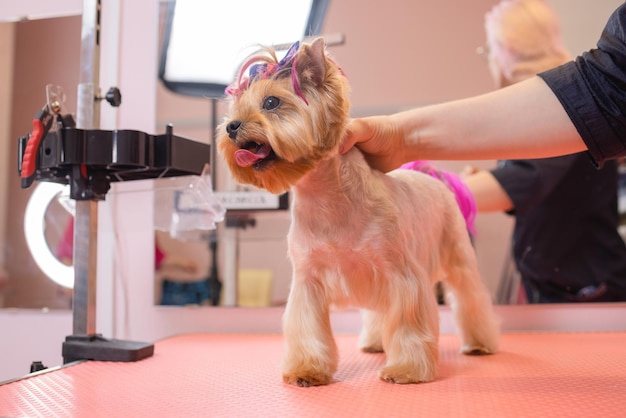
(379, 140)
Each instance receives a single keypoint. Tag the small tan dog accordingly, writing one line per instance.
(358, 237)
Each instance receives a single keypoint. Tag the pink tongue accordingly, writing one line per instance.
(247, 158)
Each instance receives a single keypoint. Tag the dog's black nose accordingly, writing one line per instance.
(232, 128)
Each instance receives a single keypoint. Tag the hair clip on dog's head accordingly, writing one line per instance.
(267, 69)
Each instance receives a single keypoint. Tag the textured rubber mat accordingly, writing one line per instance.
(209, 375)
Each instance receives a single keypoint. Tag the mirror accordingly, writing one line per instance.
(425, 70)
(27, 66)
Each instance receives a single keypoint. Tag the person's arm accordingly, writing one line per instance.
(525, 120)
(487, 191)
(582, 99)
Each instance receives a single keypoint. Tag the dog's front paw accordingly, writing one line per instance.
(306, 379)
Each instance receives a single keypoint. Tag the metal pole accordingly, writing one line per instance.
(86, 216)
(85, 259)
(85, 343)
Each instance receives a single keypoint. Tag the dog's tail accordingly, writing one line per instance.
(464, 196)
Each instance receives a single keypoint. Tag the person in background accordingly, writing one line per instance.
(65, 253)
(565, 242)
(174, 292)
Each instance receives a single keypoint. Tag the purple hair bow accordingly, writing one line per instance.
(268, 69)
(265, 70)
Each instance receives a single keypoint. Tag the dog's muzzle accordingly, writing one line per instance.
(251, 153)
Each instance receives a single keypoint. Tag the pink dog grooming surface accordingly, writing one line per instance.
(211, 375)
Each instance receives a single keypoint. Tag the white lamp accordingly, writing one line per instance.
(34, 223)
(206, 41)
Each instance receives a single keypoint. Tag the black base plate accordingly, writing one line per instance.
(96, 347)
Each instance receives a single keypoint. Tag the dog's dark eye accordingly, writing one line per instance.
(271, 102)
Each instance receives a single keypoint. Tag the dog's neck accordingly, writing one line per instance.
(338, 197)
(322, 178)
(340, 178)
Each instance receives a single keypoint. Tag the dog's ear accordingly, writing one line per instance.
(311, 66)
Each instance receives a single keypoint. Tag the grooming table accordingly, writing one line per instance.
(231, 375)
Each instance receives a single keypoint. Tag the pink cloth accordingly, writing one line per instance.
(464, 196)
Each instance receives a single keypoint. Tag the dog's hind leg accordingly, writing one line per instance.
(311, 352)
(470, 300)
(371, 340)
(411, 333)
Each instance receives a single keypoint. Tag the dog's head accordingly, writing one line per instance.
(284, 117)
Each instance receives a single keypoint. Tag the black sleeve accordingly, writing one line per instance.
(529, 182)
(592, 90)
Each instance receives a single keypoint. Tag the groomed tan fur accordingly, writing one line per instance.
(358, 237)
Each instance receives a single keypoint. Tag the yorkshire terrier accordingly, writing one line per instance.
(358, 237)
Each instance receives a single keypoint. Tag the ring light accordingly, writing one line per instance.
(34, 220)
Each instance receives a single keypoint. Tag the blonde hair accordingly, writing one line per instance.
(524, 38)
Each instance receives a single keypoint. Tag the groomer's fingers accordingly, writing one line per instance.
(354, 133)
